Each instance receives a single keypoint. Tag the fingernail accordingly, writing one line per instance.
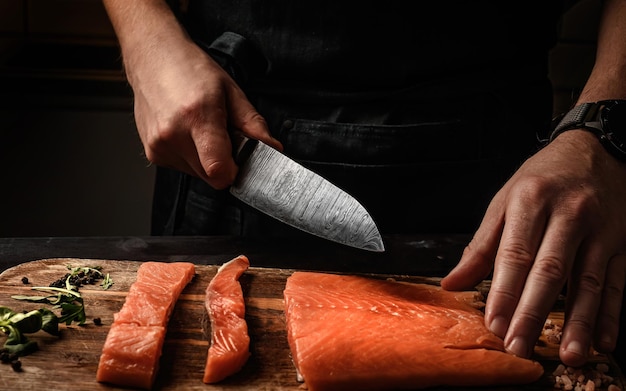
(575, 347)
(518, 347)
(498, 326)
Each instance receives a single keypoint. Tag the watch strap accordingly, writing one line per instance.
(575, 119)
(587, 116)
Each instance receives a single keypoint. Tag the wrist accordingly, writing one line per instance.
(605, 119)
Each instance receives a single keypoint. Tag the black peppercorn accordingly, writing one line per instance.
(16, 365)
(5, 357)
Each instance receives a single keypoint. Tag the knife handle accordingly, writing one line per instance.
(242, 146)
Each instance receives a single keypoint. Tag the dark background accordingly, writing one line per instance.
(71, 163)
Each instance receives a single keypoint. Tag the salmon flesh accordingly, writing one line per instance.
(359, 333)
(132, 349)
(230, 342)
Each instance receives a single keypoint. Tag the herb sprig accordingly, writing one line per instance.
(69, 301)
(17, 324)
(63, 294)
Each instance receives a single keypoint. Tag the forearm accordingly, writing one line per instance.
(142, 27)
(608, 77)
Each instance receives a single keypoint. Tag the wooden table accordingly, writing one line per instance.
(69, 363)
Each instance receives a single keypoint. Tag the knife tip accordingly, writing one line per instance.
(376, 246)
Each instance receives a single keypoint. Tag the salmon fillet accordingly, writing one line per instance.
(131, 355)
(351, 332)
(230, 342)
(132, 349)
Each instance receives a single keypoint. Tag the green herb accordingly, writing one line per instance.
(16, 324)
(61, 294)
(64, 295)
(107, 282)
(69, 301)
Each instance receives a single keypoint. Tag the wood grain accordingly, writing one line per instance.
(70, 361)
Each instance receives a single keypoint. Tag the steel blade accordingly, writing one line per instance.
(278, 186)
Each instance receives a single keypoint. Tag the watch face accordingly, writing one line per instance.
(614, 123)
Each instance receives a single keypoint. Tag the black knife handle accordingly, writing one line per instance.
(238, 56)
(242, 146)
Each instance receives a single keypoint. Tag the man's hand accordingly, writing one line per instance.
(184, 101)
(184, 104)
(561, 219)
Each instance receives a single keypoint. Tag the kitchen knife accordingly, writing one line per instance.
(278, 186)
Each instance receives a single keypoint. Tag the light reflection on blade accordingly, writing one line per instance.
(278, 186)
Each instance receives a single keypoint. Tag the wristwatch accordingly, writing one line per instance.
(606, 119)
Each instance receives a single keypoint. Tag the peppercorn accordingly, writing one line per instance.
(97, 321)
(24, 280)
(16, 365)
(5, 357)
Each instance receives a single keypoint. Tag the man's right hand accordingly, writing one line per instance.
(184, 101)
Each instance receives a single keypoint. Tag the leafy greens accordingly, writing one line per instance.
(62, 294)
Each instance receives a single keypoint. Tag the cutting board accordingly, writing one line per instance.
(69, 362)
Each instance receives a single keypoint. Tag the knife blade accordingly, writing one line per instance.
(276, 185)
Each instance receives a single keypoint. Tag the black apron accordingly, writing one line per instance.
(421, 123)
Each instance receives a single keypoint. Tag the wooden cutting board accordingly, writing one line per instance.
(69, 362)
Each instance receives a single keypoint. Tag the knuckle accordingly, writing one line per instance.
(516, 256)
(156, 142)
(218, 175)
(577, 202)
(476, 252)
(151, 156)
(253, 117)
(214, 170)
(531, 318)
(590, 282)
(613, 291)
(551, 267)
(505, 295)
(579, 322)
(580, 208)
(194, 108)
(252, 122)
(533, 187)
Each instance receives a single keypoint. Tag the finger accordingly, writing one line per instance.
(175, 149)
(545, 281)
(172, 161)
(609, 313)
(157, 143)
(476, 262)
(212, 155)
(584, 295)
(244, 117)
(607, 324)
(199, 155)
(516, 253)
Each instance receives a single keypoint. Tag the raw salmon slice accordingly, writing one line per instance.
(155, 308)
(151, 298)
(165, 277)
(230, 342)
(351, 332)
(132, 349)
(130, 356)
